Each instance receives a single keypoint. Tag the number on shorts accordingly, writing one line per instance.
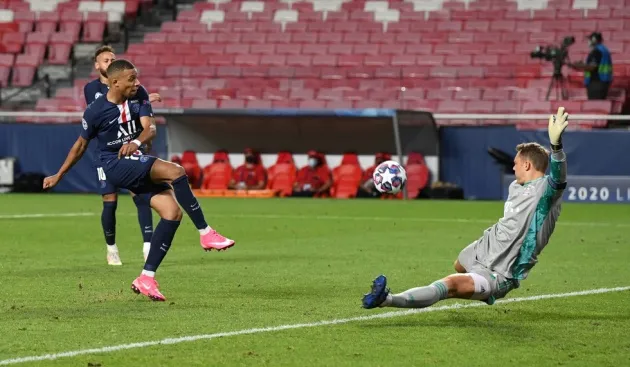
(101, 174)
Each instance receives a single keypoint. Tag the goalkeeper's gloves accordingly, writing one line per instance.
(557, 124)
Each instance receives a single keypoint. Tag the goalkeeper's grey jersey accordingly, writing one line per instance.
(511, 246)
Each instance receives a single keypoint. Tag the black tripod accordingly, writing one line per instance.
(559, 82)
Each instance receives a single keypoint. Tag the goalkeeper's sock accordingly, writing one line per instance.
(418, 297)
(160, 244)
(108, 221)
(189, 202)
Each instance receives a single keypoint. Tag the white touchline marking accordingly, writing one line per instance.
(328, 217)
(386, 315)
(44, 215)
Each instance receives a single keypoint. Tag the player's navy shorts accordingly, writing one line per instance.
(132, 173)
(104, 185)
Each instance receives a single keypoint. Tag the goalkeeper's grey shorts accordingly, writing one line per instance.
(499, 285)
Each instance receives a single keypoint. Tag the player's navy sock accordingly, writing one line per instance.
(108, 220)
(160, 243)
(145, 216)
(189, 202)
(419, 297)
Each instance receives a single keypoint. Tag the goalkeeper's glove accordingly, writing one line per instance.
(557, 124)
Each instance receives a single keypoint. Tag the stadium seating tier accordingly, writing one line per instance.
(443, 56)
(43, 32)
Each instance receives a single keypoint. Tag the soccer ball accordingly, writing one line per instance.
(389, 177)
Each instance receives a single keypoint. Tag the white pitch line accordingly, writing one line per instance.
(386, 315)
(44, 215)
(331, 217)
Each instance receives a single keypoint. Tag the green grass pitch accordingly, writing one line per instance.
(303, 261)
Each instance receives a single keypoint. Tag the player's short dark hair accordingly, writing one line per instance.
(118, 66)
(536, 154)
(102, 49)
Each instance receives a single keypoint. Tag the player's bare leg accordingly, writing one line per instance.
(453, 286)
(166, 206)
(145, 219)
(175, 175)
(458, 267)
(108, 221)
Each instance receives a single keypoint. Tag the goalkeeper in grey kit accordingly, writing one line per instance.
(495, 264)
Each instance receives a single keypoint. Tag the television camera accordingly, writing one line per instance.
(558, 55)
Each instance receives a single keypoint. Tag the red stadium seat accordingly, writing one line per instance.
(6, 62)
(94, 27)
(44, 104)
(347, 177)
(259, 104)
(59, 48)
(47, 21)
(282, 174)
(232, 104)
(479, 107)
(191, 165)
(417, 174)
(217, 176)
(24, 70)
(536, 107)
(596, 107)
(70, 27)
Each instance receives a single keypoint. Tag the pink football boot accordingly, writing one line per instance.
(214, 241)
(148, 286)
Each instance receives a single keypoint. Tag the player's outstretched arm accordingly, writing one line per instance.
(557, 124)
(75, 154)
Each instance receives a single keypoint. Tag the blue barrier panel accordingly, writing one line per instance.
(43, 148)
(464, 158)
(590, 189)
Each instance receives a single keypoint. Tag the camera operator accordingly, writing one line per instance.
(597, 68)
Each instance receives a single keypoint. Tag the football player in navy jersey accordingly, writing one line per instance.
(103, 57)
(122, 121)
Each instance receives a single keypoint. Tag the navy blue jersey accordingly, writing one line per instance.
(114, 125)
(93, 90)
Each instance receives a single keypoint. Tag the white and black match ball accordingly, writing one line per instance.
(389, 177)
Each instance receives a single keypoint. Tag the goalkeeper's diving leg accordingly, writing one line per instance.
(465, 286)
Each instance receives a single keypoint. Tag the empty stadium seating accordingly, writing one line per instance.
(36, 32)
(442, 56)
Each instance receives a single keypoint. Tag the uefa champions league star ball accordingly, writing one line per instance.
(389, 177)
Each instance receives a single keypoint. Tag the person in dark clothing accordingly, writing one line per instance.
(597, 69)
